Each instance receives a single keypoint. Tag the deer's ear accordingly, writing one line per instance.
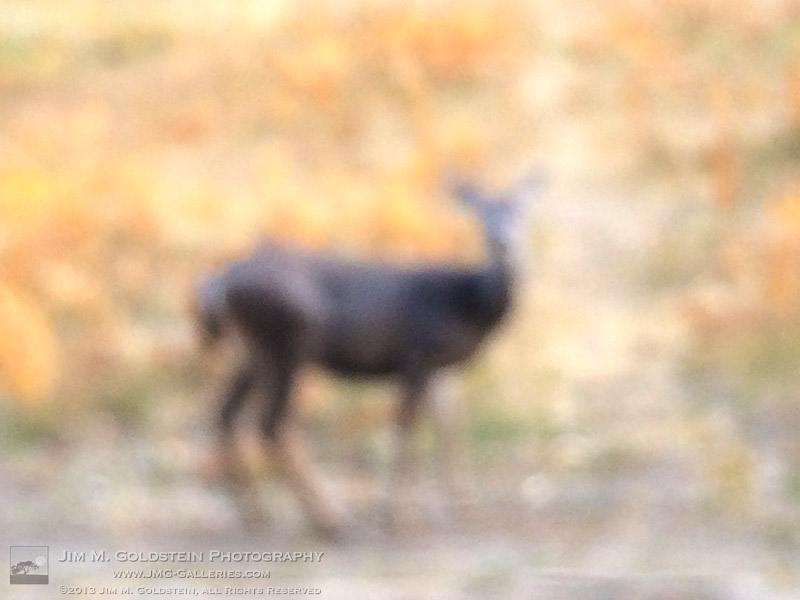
(469, 195)
(529, 189)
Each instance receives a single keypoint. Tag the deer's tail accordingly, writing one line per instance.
(210, 308)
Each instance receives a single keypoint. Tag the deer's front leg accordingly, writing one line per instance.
(449, 427)
(399, 493)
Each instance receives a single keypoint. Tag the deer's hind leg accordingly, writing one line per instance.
(236, 472)
(290, 452)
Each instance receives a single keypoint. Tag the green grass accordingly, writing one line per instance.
(128, 398)
(491, 433)
(792, 486)
(23, 427)
(130, 43)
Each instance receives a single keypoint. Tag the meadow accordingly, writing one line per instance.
(636, 417)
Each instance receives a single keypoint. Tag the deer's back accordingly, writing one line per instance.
(359, 318)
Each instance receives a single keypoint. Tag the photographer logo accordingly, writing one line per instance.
(29, 565)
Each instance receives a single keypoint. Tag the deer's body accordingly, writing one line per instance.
(359, 319)
(356, 320)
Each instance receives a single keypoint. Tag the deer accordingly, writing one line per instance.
(291, 308)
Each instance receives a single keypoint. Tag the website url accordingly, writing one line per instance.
(190, 574)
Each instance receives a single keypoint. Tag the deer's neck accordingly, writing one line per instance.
(496, 290)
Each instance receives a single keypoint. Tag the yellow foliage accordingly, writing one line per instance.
(785, 214)
(725, 168)
(69, 287)
(326, 130)
(466, 39)
(307, 222)
(783, 258)
(28, 348)
(27, 196)
(793, 89)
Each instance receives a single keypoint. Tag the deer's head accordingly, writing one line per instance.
(503, 216)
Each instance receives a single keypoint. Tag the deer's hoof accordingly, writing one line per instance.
(335, 531)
